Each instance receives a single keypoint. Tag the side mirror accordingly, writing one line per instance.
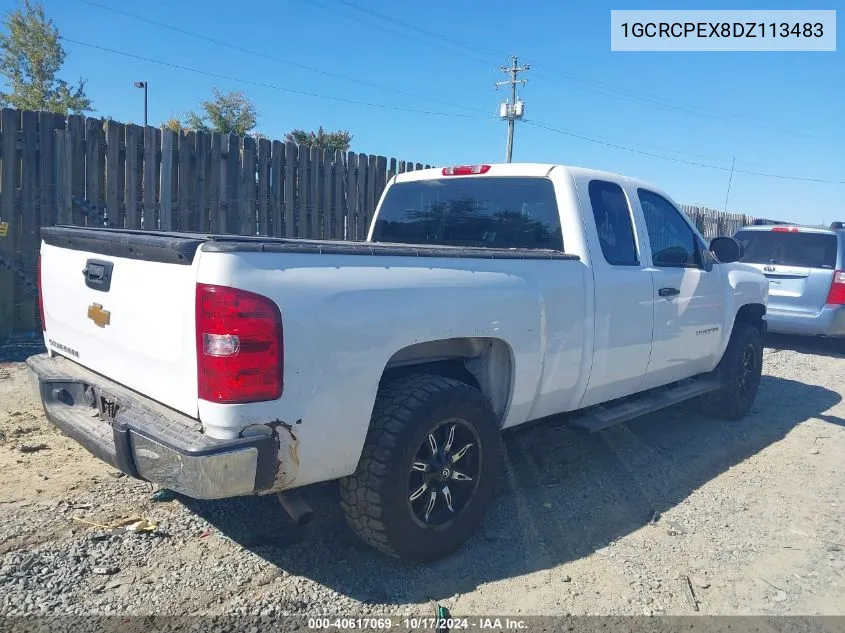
(726, 249)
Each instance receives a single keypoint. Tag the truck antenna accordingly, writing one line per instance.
(730, 178)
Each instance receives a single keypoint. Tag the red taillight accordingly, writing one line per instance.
(465, 170)
(240, 356)
(836, 296)
(40, 293)
(785, 229)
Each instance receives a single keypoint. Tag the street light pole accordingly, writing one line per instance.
(143, 84)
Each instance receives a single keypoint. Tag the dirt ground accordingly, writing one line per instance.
(615, 523)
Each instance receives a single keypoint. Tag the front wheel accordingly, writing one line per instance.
(739, 370)
(428, 469)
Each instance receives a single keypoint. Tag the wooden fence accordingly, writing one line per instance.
(92, 172)
(714, 223)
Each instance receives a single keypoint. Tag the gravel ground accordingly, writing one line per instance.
(613, 523)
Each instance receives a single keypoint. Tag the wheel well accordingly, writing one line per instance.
(481, 362)
(752, 314)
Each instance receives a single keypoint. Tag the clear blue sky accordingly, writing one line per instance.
(780, 113)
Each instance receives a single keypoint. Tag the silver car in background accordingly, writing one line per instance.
(806, 271)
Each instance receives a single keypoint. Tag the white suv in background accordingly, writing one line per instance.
(805, 267)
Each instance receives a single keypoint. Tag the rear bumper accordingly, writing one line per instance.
(147, 440)
(830, 321)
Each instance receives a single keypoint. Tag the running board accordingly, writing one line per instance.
(649, 402)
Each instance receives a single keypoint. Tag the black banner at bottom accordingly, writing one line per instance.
(410, 624)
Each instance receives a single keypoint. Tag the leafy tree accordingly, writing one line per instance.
(174, 124)
(30, 57)
(339, 140)
(229, 113)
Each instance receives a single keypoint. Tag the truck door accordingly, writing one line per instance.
(623, 293)
(688, 295)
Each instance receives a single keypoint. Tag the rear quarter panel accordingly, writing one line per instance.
(345, 316)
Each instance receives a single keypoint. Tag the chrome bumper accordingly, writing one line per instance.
(147, 440)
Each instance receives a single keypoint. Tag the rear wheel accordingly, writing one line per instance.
(739, 370)
(428, 468)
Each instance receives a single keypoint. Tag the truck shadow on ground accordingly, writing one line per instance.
(565, 495)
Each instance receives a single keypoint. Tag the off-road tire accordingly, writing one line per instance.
(375, 498)
(731, 401)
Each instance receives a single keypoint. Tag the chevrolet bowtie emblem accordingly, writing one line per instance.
(100, 317)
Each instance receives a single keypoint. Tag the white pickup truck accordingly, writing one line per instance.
(485, 297)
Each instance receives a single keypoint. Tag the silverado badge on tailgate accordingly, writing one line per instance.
(100, 317)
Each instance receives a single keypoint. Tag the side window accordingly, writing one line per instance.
(673, 242)
(613, 221)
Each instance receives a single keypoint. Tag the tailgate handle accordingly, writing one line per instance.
(98, 274)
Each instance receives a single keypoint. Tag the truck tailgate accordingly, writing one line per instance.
(128, 318)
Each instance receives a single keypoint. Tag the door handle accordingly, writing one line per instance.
(668, 292)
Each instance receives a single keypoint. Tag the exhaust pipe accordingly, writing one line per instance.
(296, 507)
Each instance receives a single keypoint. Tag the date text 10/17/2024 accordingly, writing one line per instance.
(421, 623)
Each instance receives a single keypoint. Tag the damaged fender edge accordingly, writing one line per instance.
(287, 451)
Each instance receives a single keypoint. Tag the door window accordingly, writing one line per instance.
(673, 242)
(613, 222)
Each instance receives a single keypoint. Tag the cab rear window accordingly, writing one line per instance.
(807, 250)
(487, 212)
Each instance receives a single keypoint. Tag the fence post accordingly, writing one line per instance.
(166, 187)
(29, 215)
(327, 230)
(339, 210)
(63, 176)
(291, 164)
(76, 138)
(247, 188)
(151, 163)
(203, 146)
(361, 219)
(263, 194)
(217, 185)
(131, 178)
(113, 171)
(47, 124)
(315, 184)
(370, 202)
(94, 156)
(277, 188)
(233, 178)
(351, 220)
(303, 192)
(9, 120)
(185, 183)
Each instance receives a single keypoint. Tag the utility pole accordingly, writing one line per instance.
(512, 110)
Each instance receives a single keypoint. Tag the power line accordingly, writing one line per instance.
(393, 32)
(676, 107)
(419, 29)
(270, 86)
(435, 113)
(678, 160)
(287, 62)
(593, 85)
